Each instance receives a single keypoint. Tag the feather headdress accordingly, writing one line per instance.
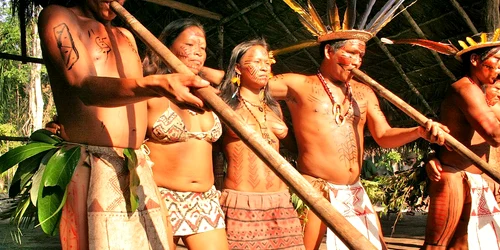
(486, 40)
(335, 30)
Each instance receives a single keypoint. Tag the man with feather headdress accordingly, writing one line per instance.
(463, 212)
(329, 112)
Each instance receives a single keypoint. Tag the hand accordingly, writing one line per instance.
(433, 169)
(53, 126)
(176, 86)
(433, 132)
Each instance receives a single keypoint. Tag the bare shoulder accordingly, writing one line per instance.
(57, 12)
(290, 79)
(125, 32)
(465, 89)
(361, 91)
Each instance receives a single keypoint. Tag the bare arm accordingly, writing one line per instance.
(477, 112)
(389, 137)
(214, 76)
(73, 67)
(280, 85)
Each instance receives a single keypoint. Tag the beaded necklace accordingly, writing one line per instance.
(336, 107)
(262, 125)
(260, 107)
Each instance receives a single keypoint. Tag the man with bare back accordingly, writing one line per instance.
(463, 212)
(100, 95)
(329, 111)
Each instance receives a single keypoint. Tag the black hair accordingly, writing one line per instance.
(152, 64)
(483, 53)
(335, 44)
(228, 88)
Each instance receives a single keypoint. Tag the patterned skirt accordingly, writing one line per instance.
(193, 212)
(97, 211)
(484, 224)
(261, 220)
(353, 203)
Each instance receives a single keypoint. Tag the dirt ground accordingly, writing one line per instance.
(408, 234)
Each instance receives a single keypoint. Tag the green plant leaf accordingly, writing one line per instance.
(36, 184)
(19, 154)
(61, 167)
(50, 202)
(131, 161)
(24, 172)
(43, 135)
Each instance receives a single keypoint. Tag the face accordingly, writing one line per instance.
(493, 91)
(254, 67)
(101, 9)
(487, 70)
(349, 56)
(190, 47)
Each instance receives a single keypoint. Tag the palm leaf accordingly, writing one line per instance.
(43, 135)
(24, 172)
(131, 161)
(60, 167)
(36, 180)
(19, 154)
(50, 202)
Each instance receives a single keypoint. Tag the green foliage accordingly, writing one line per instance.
(45, 167)
(385, 161)
(134, 181)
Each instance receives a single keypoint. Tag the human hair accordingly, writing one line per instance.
(152, 64)
(228, 88)
(483, 53)
(335, 44)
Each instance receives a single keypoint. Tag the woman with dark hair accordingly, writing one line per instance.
(180, 145)
(259, 213)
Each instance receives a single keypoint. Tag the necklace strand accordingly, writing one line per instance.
(262, 126)
(260, 107)
(337, 108)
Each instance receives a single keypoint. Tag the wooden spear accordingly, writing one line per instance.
(421, 119)
(321, 206)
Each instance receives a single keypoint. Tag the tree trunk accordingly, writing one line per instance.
(35, 87)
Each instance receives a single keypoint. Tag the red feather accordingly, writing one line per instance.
(443, 48)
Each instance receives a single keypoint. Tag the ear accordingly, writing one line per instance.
(328, 51)
(237, 68)
(474, 60)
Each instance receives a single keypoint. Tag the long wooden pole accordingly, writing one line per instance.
(421, 119)
(321, 206)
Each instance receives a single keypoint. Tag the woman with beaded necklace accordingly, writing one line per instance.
(180, 145)
(256, 202)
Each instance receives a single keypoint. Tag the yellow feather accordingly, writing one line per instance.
(484, 37)
(336, 21)
(317, 22)
(496, 35)
(308, 27)
(463, 44)
(471, 41)
(305, 16)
